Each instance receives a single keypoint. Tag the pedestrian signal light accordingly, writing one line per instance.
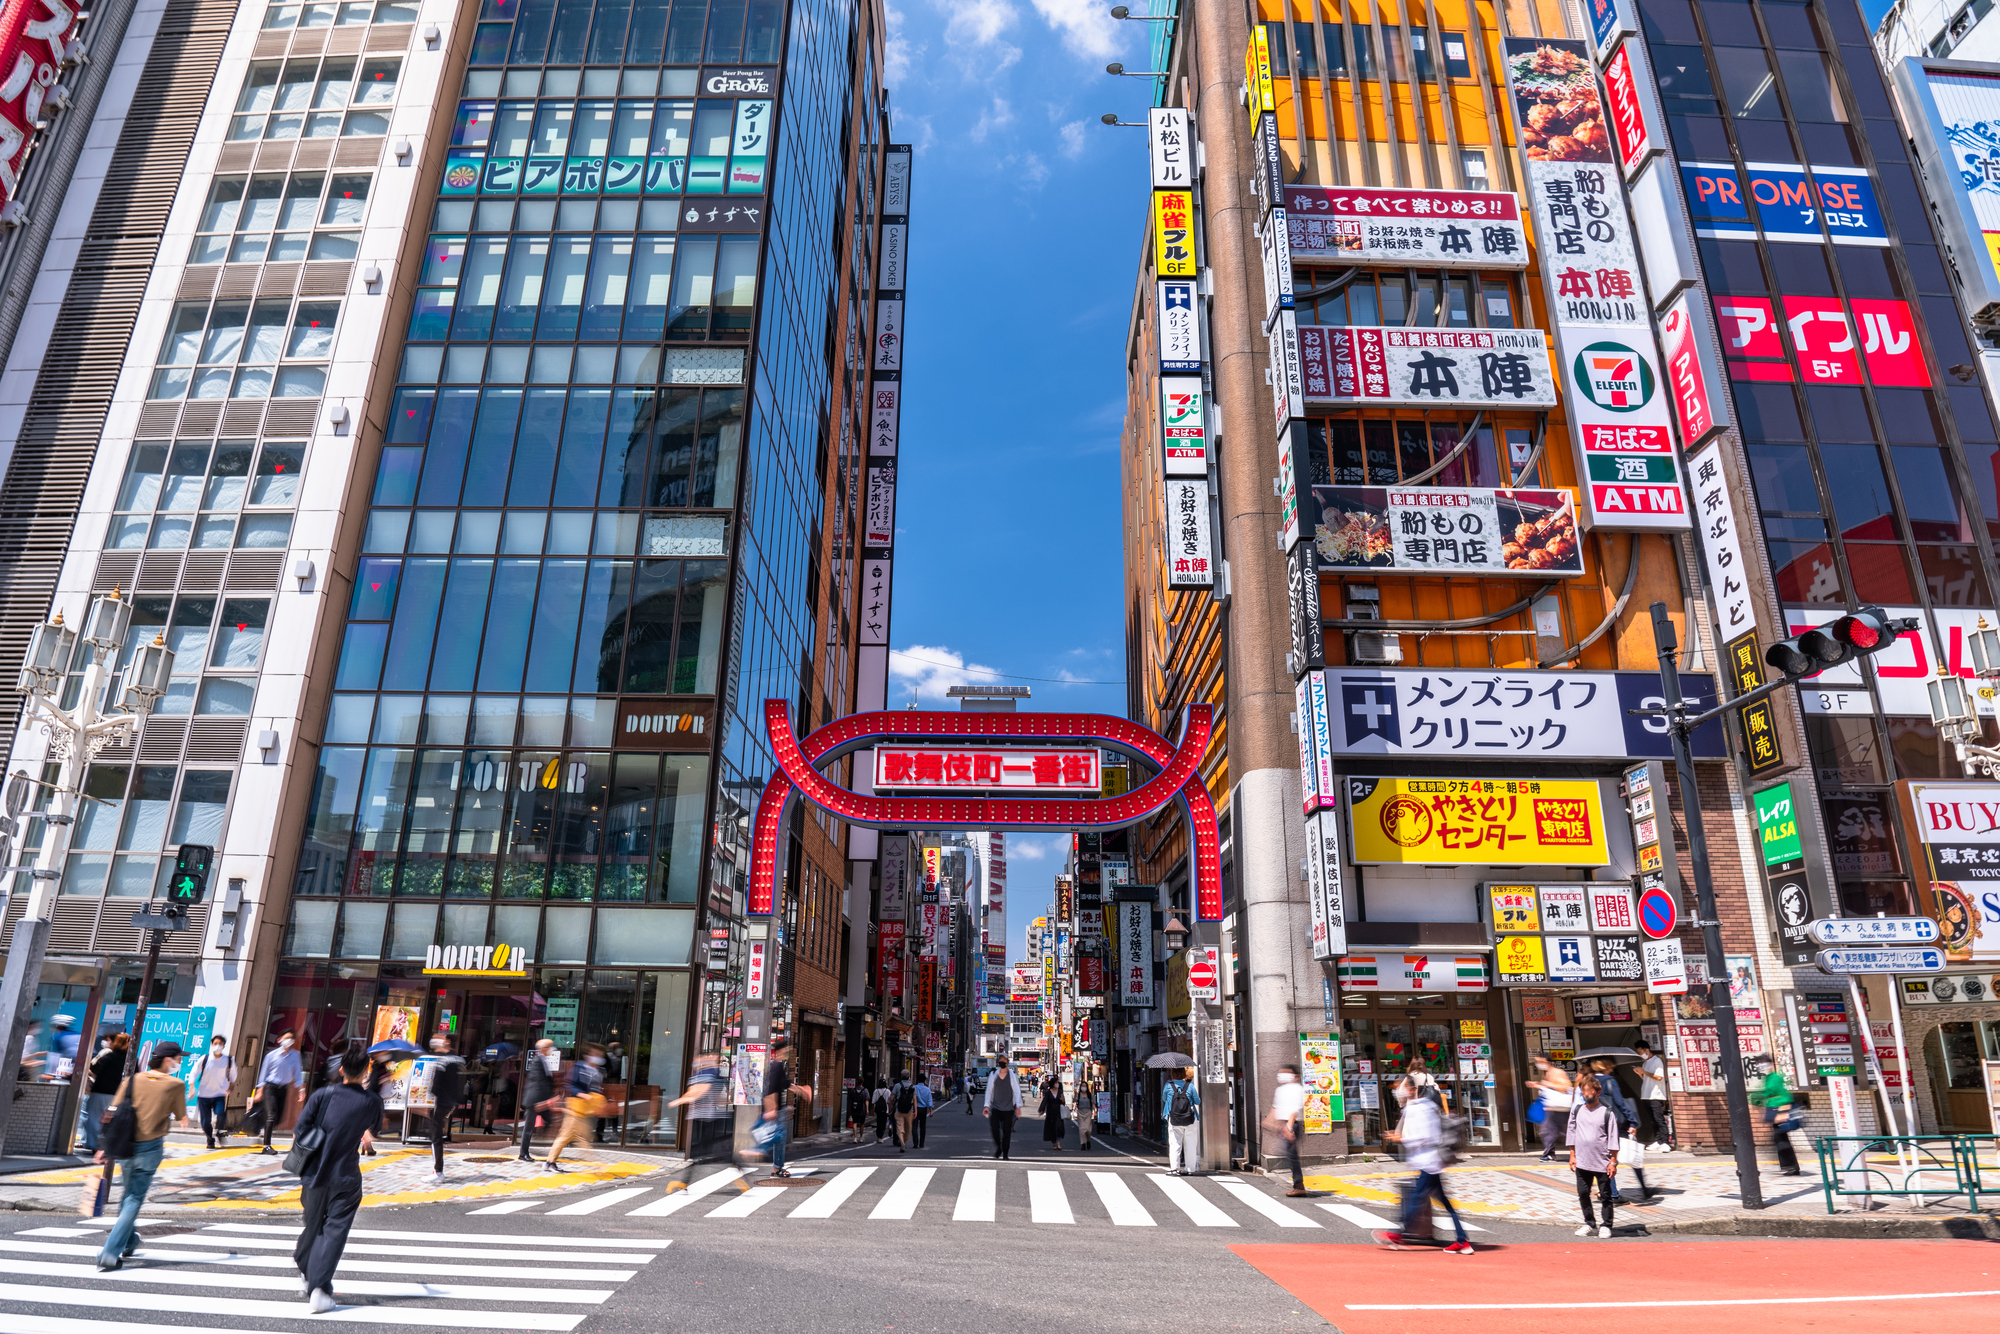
(189, 884)
(1855, 635)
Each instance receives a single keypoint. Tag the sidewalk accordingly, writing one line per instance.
(239, 1177)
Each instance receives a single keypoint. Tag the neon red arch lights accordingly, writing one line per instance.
(1179, 779)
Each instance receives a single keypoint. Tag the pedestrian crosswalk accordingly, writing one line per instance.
(1036, 1196)
(235, 1272)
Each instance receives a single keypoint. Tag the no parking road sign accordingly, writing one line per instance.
(1657, 914)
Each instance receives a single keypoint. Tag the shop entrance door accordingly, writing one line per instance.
(1954, 1051)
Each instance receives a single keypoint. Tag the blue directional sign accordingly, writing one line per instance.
(1922, 960)
(1874, 930)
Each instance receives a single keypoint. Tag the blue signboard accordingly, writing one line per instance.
(1881, 961)
(1790, 205)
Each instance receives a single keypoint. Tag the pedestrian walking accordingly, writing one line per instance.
(1593, 1153)
(1288, 1106)
(538, 1090)
(583, 1103)
(921, 1124)
(158, 1098)
(1003, 1104)
(1052, 1113)
(1612, 1093)
(884, 1103)
(1085, 1105)
(330, 1185)
(447, 1091)
(276, 1077)
(906, 1111)
(64, 1046)
(214, 1076)
(779, 1091)
(1781, 1113)
(107, 1071)
(857, 1109)
(1421, 1134)
(1180, 1106)
(1653, 1097)
(1553, 1093)
(711, 1120)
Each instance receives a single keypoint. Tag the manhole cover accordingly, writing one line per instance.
(487, 1160)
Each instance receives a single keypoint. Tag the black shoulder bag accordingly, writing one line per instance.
(121, 1126)
(304, 1154)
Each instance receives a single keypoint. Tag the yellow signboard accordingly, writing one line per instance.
(1477, 822)
(1519, 959)
(1515, 908)
(1472, 1030)
(1173, 234)
(1257, 73)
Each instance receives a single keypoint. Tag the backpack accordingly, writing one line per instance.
(1180, 1111)
(1451, 1139)
(906, 1098)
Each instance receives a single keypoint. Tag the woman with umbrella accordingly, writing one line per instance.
(1052, 1111)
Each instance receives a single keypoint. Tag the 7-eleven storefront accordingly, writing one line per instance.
(1437, 1006)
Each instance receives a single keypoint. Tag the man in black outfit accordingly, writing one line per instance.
(331, 1183)
(1003, 1104)
(447, 1091)
(538, 1085)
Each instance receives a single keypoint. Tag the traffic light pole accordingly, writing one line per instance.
(154, 939)
(1680, 727)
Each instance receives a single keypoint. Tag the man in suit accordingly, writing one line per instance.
(343, 1112)
(538, 1085)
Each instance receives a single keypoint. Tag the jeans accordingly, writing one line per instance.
(1607, 1194)
(214, 1116)
(329, 1214)
(1184, 1147)
(1430, 1185)
(138, 1170)
(1291, 1146)
(94, 1107)
(1003, 1130)
(921, 1126)
(778, 1144)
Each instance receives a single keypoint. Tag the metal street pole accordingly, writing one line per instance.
(1734, 1093)
(154, 938)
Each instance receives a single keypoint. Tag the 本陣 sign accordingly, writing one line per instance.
(1470, 821)
(1571, 715)
(1429, 229)
(1446, 530)
(916, 768)
(1189, 564)
(1135, 954)
(1433, 367)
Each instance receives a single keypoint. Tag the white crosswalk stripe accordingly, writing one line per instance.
(681, 1199)
(749, 1202)
(904, 1195)
(1119, 1201)
(1265, 1205)
(1192, 1202)
(236, 1272)
(1360, 1217)
(978, 1195)
(604, 1201)
(822, 1202)
(1046, 1200)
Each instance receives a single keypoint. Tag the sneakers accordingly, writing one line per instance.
(1459, 1248)
(554, 1167)
(1297, 1194)
(1393, 1240)
(1585, 1230)
(1604, 1231)
(437, 1178)
(1547, 1158)
(109, 1262)
(321, 1301)
(305, 1289)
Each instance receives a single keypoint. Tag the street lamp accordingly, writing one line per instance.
(76, 736)
(1176, 932)
(1951, 705)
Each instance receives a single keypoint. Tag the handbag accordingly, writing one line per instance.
(305, 1151)
(1537, 1111)
(121, 1127)
(96, 1192)
(586, 1104)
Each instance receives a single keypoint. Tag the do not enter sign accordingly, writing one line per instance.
(1201, 975)
(1657, 914)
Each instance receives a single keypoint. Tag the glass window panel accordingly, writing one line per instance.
(553, 650)
(204, 798)
(410, 640)
(514, 130)
(566, 44)
(83, 876)
(170, 534)
(336, 77)
(694, 285)
(602, 631)
(651, 286)
(1953, 575)
(535, 453)
(521, 294)
(252, 384)
(312, 329)
(383, 799)
(604, 300)
(412, 929)
(184, 334)
(479, 290)
(507, 622)
(377, 86)
(553, 123)
(97, 819)
(361, 657)
(278, 467)
(649, 639)
(716, 450)
(267, 331)
(239, 635)
(132, 877)
(725, 31)
(582, 447)
(317, 16)
(633, 133)
(335, 245)
(1784, 477)
(261, 204)
(250, 249)
(361, 930)
(458, 631)
(214, 532)
(187, 465)
(1747, 82)
(592, 135)
(565, 936)
(678, 843)
(1880, 571)
(225, 333)
(635, 792)
(267, 531)
(1930, 501)
(492, 445)
(145, 822)
(222, 696)
(1806, 82)
(451, 435)
(225, 197)
(346, 200)
(675, 425)
(1860, 491)
(703, 584)
(375, 589)
(562, 297)
(141, 487)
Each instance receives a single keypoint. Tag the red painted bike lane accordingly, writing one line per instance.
(1724, 1284)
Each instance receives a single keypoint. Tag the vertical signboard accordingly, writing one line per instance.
(1628, 467)
(1694, 374)
(1170, 139)
(1189, 564)
(1308, 635)
(1177, 327)
(1183, 427)
(1135, 954)
(1634, 110)
(1329, 918)
(1786, 828)
(1953, 112)
(1173, 234)
(1288, 385)
(1274, 242)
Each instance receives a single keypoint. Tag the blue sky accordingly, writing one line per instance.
(1026, 220)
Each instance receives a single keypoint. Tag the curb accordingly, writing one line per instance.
(1959, 1227)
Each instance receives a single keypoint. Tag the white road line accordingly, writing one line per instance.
(293, 1310)
(362, 1248)
(383, 1234)
(1705, 1301)
(1119, 1201)
(191, 1278)
(1192, 1202)
(749, 1202)
(55, 1232)
(1356, 1215)
(681, 1199)
(508, 1206)
(836, 1192)
(603, 1201)
(1282, 1215)
(1046, 1201)
(978, 1192)
(348, 1265)
(902, 1197)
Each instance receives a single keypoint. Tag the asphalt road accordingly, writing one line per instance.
(946, 1239)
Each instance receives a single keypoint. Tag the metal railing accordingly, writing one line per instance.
(1922, 1167)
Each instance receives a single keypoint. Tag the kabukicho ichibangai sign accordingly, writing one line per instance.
(1616, 394)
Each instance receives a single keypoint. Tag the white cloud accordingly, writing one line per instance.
(1026, 168)
(978, 23)
(898, 57)
(1072, 139)
(997, 116)
(1086, 26)
(1036, 847)
(917, 132)
(927, 672)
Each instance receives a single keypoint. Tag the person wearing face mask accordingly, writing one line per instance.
(276, 1078)
(214, 1076)
(584, 1104)
(159, 1098)
(1288, 1105)
(538, 1088)
(1421, 1133)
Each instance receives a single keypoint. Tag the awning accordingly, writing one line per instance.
(1414, 972)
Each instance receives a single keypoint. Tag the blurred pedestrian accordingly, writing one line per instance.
(447, 1091)
(538, 1090)
(583, 1103)
(1612, 1094)
(1421, 1133)
(158, 1098)
(711, 1122)
(1781, 1114)
(214, 1076)
(1288, 1106)
(276, 1078)
(331, 1182)
(1653, 1096)
(1553, 1092)
(107, 1071)
(779, 1092)
(1593, 1153)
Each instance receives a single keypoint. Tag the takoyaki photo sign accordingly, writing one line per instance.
(1447, 530)
(1432, 229)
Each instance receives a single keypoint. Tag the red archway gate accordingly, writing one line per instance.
(1179, 780)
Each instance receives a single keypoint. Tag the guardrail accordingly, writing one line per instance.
(1913, 1166)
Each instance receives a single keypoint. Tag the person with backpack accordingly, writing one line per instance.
(1426, 1142)
(1180, 1104)
(906, 1111)
(214, 1076)
(884, 1100)
(1003, 1104)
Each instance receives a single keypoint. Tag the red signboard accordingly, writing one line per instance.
(889, 969)
(33, 34)
(1889, 343)
(1687, 380)
(1628, 114)
(1831, 344)
(926, 988)
(1090, 974)
(753, 982)
(1823, 339)
(906, 768)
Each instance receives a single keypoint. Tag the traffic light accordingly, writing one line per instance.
(189, 885)
(1855, 635)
